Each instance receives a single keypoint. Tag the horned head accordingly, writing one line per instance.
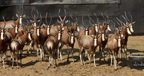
(48, 25)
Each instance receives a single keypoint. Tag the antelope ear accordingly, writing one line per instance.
(124, 24)
(38, 20)
(31, 21)
(24, 15)
(66, 21)
(17, 16)
(58, 21)
(117, 29)
(12, 25)
(133, 22)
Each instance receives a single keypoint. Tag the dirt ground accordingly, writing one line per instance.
(32, 67)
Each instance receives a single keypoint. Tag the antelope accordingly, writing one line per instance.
(17, 30)
(75, 26)
(113, 44)
(102, 40)
(51, 46)
(5, 38)
(53, 30)
(126, 32)
(90, 43)
(19, 16)
(16, 47)
(68, 39)
(38, 39)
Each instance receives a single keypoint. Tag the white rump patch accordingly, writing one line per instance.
(37, 32)
(128, 31)
(16, 29)
(72, 37)
(103, 39)
(48, 29)
(95, 42)
(2, 35)
(29, 36)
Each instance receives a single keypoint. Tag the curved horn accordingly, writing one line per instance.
(59, 15)
(4, 22)
(95, 15)
(40, 19)
(126, 16)
(46, 18)
(91, 19)
(83, 22)
(130, 16)
(119, 20)
(103, 16)
(65, 15)
(31, 13)
(50, 18)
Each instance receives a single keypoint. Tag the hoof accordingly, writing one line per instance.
(12, 68)
(115, 69)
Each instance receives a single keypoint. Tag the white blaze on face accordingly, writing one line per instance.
(2, 35)
(95, 42)
(37, 32)
(108, 28)
(131, 28)
(78, 29)
(119, 42)
(16, 29)
(59, 34)
(128, 31)
(72, 38)
(34, 24)
(122, 35)
(103, 39)
(20, 21)
(96, 28)
(62, 28)
(29, 36)
(48, 30)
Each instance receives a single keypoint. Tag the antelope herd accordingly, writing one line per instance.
(51, 38)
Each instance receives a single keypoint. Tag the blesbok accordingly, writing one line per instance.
(17, 30)
(126, 32)
(5, 38)
(19, 16)
(90, 43)
(38, 39)
(51, 45)
(75, 26)
(113, 44)
(54, 30)
(17, 45)
(68, 39)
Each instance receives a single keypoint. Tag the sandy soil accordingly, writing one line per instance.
(32, 67)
